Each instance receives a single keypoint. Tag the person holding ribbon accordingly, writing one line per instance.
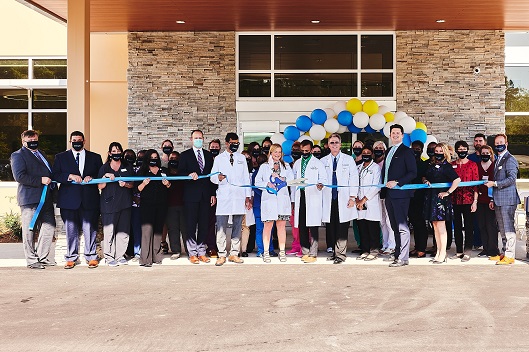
(153, 208)
(79, 204)
(116, 203)
(275, 206)
(33, 172)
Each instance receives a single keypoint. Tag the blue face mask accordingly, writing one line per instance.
(500, 148)
(197, 143)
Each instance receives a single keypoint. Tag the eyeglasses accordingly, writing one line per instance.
(334, 142)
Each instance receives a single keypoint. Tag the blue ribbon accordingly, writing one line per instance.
(409, 186)
(140, 178)
(268, 189)
(39, 208)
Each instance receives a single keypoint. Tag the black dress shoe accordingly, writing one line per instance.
(331, 258)
(273, 254)
(36, 266)
(398, 263)
(338, 261)
(244, 254)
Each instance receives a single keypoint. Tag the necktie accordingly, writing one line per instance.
(77, 158)
(334, 179)
(200, 161)
(40, 158)
(304, 163)
(231, 159)
(388, 162)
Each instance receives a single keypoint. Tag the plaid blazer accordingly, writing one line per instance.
(505, 172)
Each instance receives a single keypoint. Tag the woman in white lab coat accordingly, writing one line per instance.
(368, 205)
(275, 207)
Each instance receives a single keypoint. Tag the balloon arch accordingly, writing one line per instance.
(352, 116)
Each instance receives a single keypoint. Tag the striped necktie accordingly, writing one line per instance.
(200, 161)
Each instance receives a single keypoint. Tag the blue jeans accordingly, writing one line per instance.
(259, 226)
(135, 228)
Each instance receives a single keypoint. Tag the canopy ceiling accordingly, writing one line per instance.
(288, 15)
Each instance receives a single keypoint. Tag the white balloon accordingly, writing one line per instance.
(338, 107)
(330, 113)
(317, 132)
(342, 129)
(377, 121)
(361, 119)
(382, 109)
(385, 130)
(429, 139)
(331, 125)
(278, 138)
(399, 115)
(305, 138)
(408, 123)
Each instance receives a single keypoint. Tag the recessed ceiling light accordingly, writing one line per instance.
(315, 21)
(440, 21)
(180, 22)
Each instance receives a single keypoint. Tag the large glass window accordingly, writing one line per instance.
(49, 98)
(13, 98)
(13, 69)
(49, 69)
(316, 65)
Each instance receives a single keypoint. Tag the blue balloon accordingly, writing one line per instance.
(291, 133)
(353, 129)
(406, 140)
(287, 147)
(318, 116)
(345, 118)
(288, 159)
(369, 129)
(418, 135)
(303, 123)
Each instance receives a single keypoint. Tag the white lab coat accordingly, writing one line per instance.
(346, 175)
(370, 176)
(230, 198)
(314, 173)
(273, 205)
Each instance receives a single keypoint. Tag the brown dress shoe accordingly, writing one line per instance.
(235, 259)
(213, 253)
(220, 261)
(194, 259)
(69, 265)
(203, 258)
(93, 264)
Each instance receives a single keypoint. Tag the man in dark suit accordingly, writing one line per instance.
(198, 196)
(32, 171)
(399, 169)
(79, 203)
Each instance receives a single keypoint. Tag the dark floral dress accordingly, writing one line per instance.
(435, 208)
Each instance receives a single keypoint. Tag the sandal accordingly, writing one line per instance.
(282, 256)
(266, 257)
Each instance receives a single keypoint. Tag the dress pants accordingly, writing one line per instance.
(369, 235)
(46, 229)
(307, 247)
(388, 237)
(211, 237)
(236, 231)
(398, 212)
(197, 215)
(152, 221)
(505, 217)
(488, 228)
(176, 228)
(116, 229)
(420, 234)
(75, 221)
(337, 231)
(468, 218)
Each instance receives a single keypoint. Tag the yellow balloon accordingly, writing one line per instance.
(389, 116)
(328, 134)
(421, 126)
(354, 105)
(424, 158)
(370, 107)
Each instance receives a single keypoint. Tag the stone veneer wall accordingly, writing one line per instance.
(180, 81)
(436, 83)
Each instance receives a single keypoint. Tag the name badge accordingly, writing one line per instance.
(454, 166)
(485, 178)
(123, 170)
(239, 162)
(163, 175)
(437, 166)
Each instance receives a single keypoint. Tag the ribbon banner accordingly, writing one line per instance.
(405, 187)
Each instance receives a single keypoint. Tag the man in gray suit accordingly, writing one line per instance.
(32, 171)
(505, 196)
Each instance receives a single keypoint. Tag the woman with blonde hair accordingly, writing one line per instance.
(437, 202)
(275, 206)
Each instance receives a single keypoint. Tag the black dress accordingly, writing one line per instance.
(435, 208)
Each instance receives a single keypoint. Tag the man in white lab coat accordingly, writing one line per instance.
(309, 201)
(231, 199)
(339, 203)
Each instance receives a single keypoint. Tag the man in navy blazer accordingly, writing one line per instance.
(32, 171)
(399, 169)
(199, 196)
(79, 203)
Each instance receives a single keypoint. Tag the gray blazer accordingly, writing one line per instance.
(28, 171)
(505, 176)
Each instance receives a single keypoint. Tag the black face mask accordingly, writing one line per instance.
(33, 145)
(266, 150)
(500, 148)
(139, 162)
(215, 152)
(234, 147)
(154, 162)
(167, 150)
(357, 151)
(430, 152)
(115, 156)
(378, 153)
(295, 155)
(131, 160)
(485, 158)
(462, 155)
(173, 164)
(256, 152)
(366, 158)
(306, 155)
(439, 157)
(77, 146)
(417, 153)
(317, 155)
